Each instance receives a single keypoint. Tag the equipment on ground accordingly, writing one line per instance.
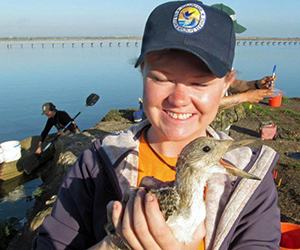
(268, 130)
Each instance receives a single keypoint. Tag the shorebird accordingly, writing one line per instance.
(182, 205)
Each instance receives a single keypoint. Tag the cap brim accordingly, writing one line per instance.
(218, 68)
(239, 28)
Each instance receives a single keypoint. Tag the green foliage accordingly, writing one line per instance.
(38, 192)
(259, 111)
(291, 113)
(297, 166)
(112, 115)
(6, 234)
(122, 115)
(289, 138)
(285, 99)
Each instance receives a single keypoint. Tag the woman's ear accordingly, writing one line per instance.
(229, 78)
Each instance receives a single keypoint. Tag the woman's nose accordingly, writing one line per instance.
(179, 95)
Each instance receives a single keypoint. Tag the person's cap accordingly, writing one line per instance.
(237, 27)
(48, 106)
(191, 26)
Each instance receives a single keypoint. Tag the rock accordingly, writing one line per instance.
(52, 200)
(39, 218)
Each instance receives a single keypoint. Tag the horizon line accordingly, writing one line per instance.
(125, 37)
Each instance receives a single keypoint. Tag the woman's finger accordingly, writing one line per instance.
(116, 214)
(160, 231)
(109, 209)
(140, 223)
(127, 231)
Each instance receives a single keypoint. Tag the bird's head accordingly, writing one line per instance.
(204, 156)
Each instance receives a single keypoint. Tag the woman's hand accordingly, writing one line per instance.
(151, 182)
(141, 225)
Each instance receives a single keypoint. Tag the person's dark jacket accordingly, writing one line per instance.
(60, 120)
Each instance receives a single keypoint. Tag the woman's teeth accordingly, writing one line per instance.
(179, 116)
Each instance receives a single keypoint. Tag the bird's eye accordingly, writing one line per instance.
(206, 149)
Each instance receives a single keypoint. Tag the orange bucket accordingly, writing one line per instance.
(275, 101)
(290, 236)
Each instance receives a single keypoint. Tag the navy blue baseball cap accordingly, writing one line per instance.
(204, 31)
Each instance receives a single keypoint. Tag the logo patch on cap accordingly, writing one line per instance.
(44, 107)
(189, 18)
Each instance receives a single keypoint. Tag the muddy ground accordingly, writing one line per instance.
(287, 120)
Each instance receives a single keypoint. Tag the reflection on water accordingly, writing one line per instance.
(14, 193)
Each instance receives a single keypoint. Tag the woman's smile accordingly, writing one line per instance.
(181, 95)
(179, 116)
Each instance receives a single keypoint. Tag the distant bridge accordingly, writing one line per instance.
(267, 41)
(72, 44)
(81, 43)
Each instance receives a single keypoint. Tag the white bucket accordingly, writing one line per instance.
(11, 150)
(1, 155)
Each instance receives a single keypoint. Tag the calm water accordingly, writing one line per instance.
(15, 199)
(66, 76)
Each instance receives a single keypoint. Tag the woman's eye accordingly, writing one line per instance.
(197, 84)
(156, 79)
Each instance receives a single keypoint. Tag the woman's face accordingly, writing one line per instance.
(181, 95)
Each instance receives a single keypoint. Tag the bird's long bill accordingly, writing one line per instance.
(241, 143)
(233, 170)
(225, 146)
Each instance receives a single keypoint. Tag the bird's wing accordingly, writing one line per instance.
(185, 16)
(188, 13)
(168, 200)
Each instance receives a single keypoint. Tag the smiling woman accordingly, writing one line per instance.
(181, 98)
(186, 72)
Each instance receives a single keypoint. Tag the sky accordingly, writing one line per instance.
(96, 18)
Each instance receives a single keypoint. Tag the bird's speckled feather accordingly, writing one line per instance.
(183, 205)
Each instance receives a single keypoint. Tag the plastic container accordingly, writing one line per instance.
(290, 236)
(275, 101)
(11, 150)
(1, 155)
